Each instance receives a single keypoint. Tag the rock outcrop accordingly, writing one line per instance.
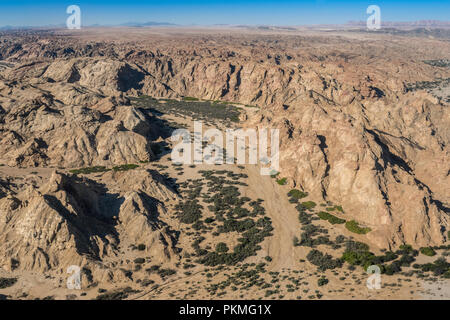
(77, 221)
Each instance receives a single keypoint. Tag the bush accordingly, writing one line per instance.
(141, 247)
(166, 272)
(308, 205)
(322, 281)
(89, 170)
(330, 218)
(282, 181)
(406, 249)
(125, 167)
(189, 212)
(221, 247)
(323, 261)
(355, 228)
(297, 194)
(120, 294)
(357, 253)
(235, 225)
(428, 251)
(304, 217)
(440, 267)
(139, 260)
(190, 99)
(7, 282)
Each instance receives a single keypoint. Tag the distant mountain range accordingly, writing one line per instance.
(127, 24)
(389, 24)
(147, 24)
(419, 23)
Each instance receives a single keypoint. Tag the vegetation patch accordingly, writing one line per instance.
(323, 261)
(189, 106)
(190, 99)
(89, 170)
(330, 218)
(125, 167)
(442, 63)
(322, 281)
(221, 247)
(120, 294)
(189, 211)
(357, 253)
(297, 194)
(439, 267)
(354, 227)
(428, 251)
(233, 214)
(308, 205)
(7, 282)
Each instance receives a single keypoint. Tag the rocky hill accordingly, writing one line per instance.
(364, 123)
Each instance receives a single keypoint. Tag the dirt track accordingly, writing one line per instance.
(283, 215)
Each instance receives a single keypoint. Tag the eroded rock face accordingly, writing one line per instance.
(351, 132)
(38, 129)
(378, 177)
(77, 221)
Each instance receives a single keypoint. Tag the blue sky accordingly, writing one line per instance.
(208, 12)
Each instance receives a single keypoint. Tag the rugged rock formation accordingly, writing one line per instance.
(352, 132)
(77, 221)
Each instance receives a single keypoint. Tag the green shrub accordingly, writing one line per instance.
(428, 251)
(330, 218)
(221, 247)
(189, 212)
(282, 181)
(139, 260)
(355, 228)
(297, 194)
(166, 272)
(405, 249)
(120, 294)
(440, 267)
(323, 261)
(190, 99)
(89, 170)
(141, 247)
(125, 167)
(357, 253)
(358, 258)
(308, 205)
(322, 281)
